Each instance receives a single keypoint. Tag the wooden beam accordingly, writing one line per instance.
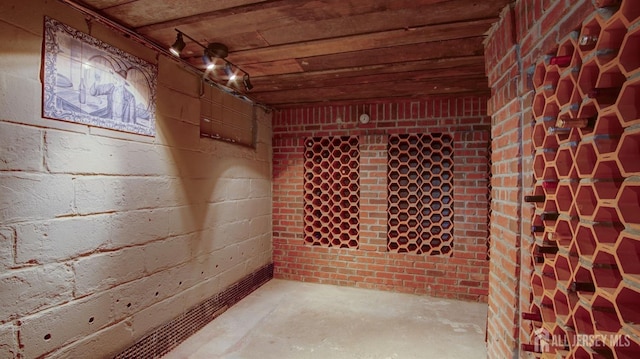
(270, 84)
(381, 90)
(390, 38)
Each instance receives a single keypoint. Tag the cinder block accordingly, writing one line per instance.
(176, 78)
(142, 293)
(26, 291)
(98, 194)
(9, 342)
(56, 327)
(175, 105)
(168, 253)
(106, 270)
(106, 343)
(7, 245)
(25, 54)
(74, 153)
(29, 197)
(62, 238)
(147, 319)
(139, 227)
(177, 133)
(23, 102)
(260, 187)
(21, 148)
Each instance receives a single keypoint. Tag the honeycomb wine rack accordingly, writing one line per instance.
(586, 255)
(420, 194)
(331, 191)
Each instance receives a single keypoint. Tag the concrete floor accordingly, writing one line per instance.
(286, 319)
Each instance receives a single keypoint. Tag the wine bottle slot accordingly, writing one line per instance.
(536, 317)
(537, 229)
(535, 199)
(550, 184)
(549, 249)
(558, 130)
(561, 61)
(604, 266)
(607, 3)
(605, 95)
(587, 42)
(549, 216)
(582, 287)
(580, 122)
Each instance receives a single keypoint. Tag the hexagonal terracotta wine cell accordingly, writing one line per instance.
(582, 282)
(605, 315)
(563, 304)
(607, 233)
(628, 150)
(583, 320)
(564, 162)
(565, 197)
(563, 233)
(626, 300)
(628, 202)
(586, 241)
(627, 105)
(607, 167)
(606, 145)
(630, 12)
(586, 159)
(539, 74)
(539, 101)
(608, 124)
(588, 77)
(588, 38)
(550, 82)
(627, 348)
(331, 191)
(629, 56)
(539, 134)
(608, 86)
(547, 308)
(562, 270)
(567, 92)
(605, 270)
(588, 112)
(610, 41)
(628, 256)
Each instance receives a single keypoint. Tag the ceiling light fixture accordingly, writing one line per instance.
(178, 45)
(212, 53)
(246, 81)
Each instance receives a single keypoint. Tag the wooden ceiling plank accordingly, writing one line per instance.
(364, 91)
(329, 81)
(446, 12)
(421, 34)
(262, 14)
(103, 4)
(432, 50)
(345, 73)
(143, 12)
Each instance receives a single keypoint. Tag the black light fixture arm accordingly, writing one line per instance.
(218, 51)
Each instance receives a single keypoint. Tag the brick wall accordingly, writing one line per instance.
(463, 276)
(106, 235)
(528, 30)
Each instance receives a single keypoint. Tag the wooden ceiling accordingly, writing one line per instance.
(306, 51)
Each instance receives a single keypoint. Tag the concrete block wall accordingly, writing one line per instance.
(106, 235)
(463, 275)
(526, 32)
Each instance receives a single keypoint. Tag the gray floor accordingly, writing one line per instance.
(285, 319)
